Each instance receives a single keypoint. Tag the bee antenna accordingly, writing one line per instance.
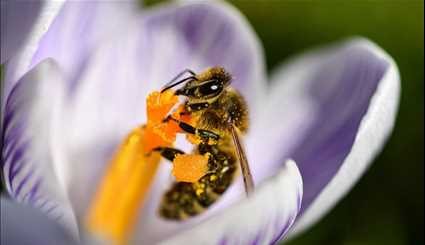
(178, 82)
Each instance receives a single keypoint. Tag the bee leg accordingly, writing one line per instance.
(168, 152)
(204, 134)
(184, 113)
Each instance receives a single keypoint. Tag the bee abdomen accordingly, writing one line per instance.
(180, 202)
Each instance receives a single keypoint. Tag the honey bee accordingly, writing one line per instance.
(220, 114)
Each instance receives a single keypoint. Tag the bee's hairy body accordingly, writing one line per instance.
(184, 200)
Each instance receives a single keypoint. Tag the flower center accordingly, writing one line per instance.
(128, 177)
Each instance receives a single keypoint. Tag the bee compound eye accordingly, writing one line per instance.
(210, 88)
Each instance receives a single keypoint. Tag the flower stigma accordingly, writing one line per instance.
(129, 175)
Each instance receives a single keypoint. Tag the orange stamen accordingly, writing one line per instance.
(124, 187)
(159, 104)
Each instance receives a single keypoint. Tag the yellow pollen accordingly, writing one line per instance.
(199, 192)
(190, 168)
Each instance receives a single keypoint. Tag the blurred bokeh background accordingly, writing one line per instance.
(386, 206)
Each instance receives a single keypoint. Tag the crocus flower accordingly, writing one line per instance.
(76, 78)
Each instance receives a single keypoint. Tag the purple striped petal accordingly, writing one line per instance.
(336, 108)
(263, 218)
(28, 152)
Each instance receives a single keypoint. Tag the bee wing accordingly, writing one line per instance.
(246, 172)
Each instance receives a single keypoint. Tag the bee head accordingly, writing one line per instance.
(207, 85)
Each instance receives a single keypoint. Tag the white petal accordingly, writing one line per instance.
(347, 97)
(41, 17)
(79, 28)
(375, 128)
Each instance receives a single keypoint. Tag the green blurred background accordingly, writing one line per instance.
(386, 206)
